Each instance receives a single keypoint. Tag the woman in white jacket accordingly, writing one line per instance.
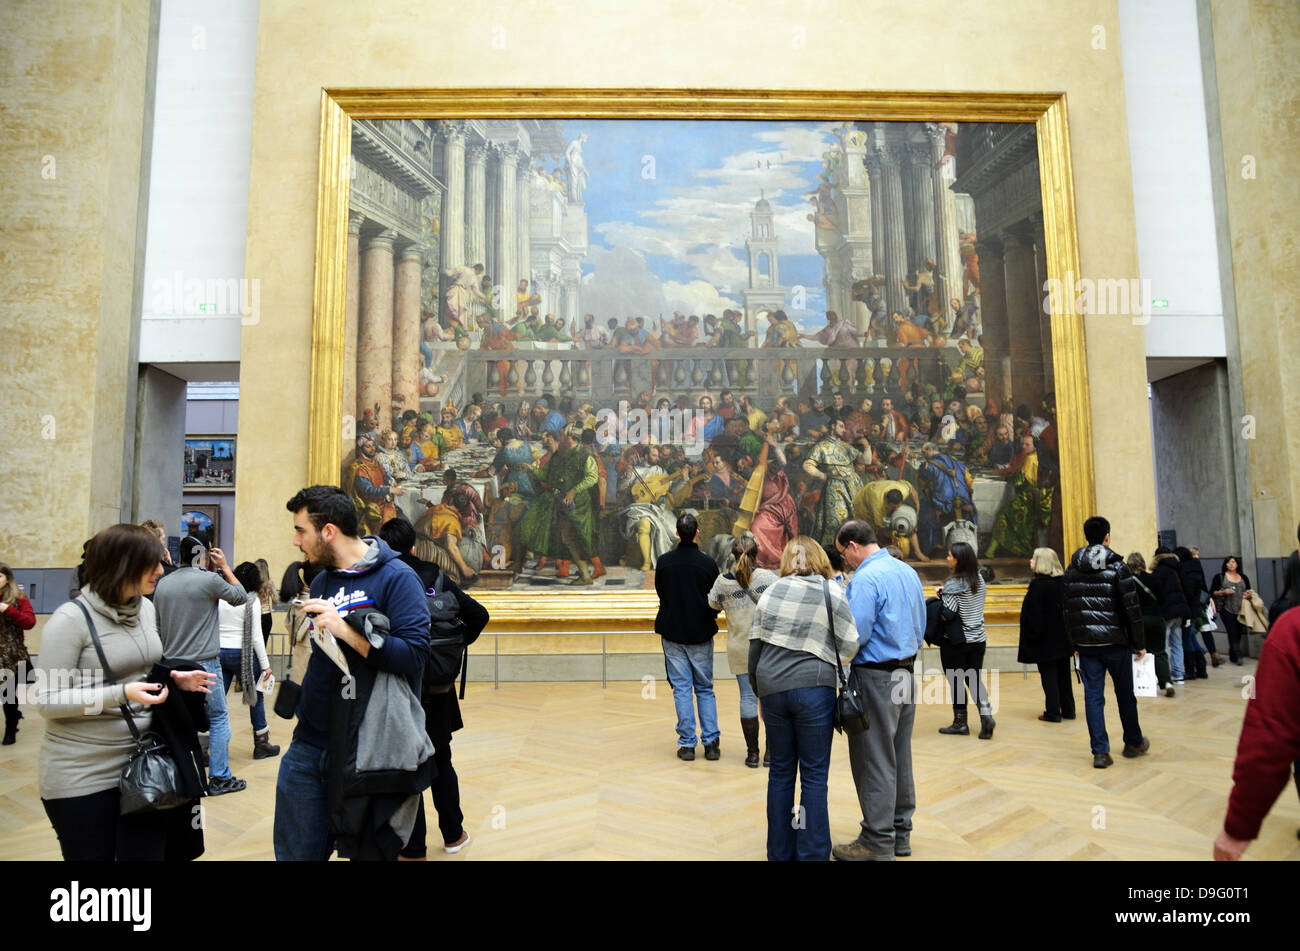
(736, 593)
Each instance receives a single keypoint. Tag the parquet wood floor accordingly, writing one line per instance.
(571, 771)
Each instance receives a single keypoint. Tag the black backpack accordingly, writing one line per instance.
(448, 647)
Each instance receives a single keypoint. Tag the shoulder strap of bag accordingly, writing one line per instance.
(103, 662)
(830, 619)
(1139, 583)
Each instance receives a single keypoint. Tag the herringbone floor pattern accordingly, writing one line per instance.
(571, 771)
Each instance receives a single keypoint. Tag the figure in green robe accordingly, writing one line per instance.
(1015, 532)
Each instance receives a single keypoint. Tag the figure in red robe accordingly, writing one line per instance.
(777, 518)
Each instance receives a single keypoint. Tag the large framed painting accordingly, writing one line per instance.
(210, 463)
(549, 322)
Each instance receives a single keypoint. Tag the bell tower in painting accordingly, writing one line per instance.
(765, 291)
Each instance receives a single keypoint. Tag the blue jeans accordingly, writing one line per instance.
(1174, 638)
(230, 663)
(690, 666)
(799, 732)
(748, 699)
(219, 728)
(302, 821)
(1094, 664)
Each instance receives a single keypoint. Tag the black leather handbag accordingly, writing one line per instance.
(150, 779)
(289, 691)
(850, 712)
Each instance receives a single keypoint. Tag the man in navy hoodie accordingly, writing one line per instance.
(358, 573)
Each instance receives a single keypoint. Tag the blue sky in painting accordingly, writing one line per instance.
(679, 193)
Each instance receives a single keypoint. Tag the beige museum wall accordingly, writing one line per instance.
(75, 100)
(1257, 46)
(1036, 45)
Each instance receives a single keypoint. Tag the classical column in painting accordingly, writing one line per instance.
(948, 279)
(406, 328)
(476, 205)
(375, 336)
(570, 287)
(452, 229)
(918, 155)
(523, 240)
(877, 214)
(853, 202)
(1022, 315)
(507, 223)
(993, 318)
(895, 239)
(350, 314)
(1044, 316)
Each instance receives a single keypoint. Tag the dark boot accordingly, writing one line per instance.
(767, 757)
(749, 727)
(987, 723)
(263, 747)
(11, 725)
(959, 727)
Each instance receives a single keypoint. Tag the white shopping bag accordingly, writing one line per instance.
(1144, 676)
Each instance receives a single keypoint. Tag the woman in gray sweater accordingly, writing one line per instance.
(792, 659)
(87, 739)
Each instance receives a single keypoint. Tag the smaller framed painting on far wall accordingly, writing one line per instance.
(210, 463)
(203, 522)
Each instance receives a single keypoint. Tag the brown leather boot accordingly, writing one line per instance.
(263, 748)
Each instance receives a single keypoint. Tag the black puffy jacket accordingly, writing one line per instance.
(1167, 585)
(1101, 600)
(1192, 576)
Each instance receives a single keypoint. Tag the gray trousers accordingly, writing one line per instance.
(881, 758)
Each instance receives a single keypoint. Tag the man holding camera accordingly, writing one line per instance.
(190, 627)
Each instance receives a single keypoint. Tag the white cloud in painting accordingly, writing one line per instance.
(620, 285)
(700, 225)
(698, 297)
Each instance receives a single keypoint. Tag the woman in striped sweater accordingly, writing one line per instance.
(963, 596)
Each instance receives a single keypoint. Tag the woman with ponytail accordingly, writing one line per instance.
(736, 593)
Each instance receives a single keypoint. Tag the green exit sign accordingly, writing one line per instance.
(207, 308)
(1160, 302)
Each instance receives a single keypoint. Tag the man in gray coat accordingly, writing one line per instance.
(188, 624)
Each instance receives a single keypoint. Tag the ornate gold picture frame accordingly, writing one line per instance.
(331, 428)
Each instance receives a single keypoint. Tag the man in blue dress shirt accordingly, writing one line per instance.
(889, 609)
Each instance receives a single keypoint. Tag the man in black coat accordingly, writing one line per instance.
(442, 711)
(687, 626)
(1104, 620)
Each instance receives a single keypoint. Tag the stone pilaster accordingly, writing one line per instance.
(877, 214)
(375, 337)
(506, 222)
(452, 230)
(406, 328)
(895, 238)
(476, 205)
(948, 276)
(922, 222)
(993, 318)
(523, 238)
(350, 315)
(1023, 325)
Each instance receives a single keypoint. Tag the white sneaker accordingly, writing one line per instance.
(458, 845)
(1176, 683)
